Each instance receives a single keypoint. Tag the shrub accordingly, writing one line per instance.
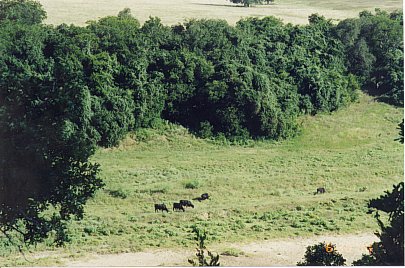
(162, 189)
(206, 130)
(232, 252)
(390, 249)
(192, 184)
(117, 193)
(202, 260)
(322, 254)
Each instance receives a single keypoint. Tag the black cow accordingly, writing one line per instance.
(178, 206)
(186, 203)
(161, 207)
(202, 197)
(320, 190)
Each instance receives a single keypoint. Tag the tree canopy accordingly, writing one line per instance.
(375, 52)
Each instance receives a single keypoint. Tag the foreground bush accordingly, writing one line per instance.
(202, 259)
(322, 254)
(390, 249)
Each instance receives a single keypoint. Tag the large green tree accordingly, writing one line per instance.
(58, 102)
(46, 135)
(24, 11)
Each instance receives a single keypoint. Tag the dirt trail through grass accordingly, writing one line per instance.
(285, 252)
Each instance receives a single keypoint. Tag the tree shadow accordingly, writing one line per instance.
(371, 90)
(378, 95)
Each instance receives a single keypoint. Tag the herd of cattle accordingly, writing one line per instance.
(181, 205)
(187, 203)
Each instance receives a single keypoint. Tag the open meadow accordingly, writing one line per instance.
(259, 191)
(177, 11)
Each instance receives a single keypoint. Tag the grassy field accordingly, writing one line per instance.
(259, 191)
(175, 11)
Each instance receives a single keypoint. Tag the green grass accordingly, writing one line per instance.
(176, 11)
(259, 191)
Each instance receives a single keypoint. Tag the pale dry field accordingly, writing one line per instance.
(175, 11)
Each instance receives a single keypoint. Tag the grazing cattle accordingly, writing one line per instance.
(161, 207)
(178, 206)
(320, 190)
(186, 203)
(202, 197)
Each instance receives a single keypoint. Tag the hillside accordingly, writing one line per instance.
(259, 191)
(173, 12)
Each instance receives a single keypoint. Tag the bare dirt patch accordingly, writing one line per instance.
(283, 252)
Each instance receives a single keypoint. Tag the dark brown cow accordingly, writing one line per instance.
(186, 203)
(320, 190)
(161, 207)
(178, 206)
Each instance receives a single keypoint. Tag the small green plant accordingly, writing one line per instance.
(202, 260)
(162, 188)
(322, 254)
(192, 184)
(117, 193)
(206, 130)
(232, 252)
(363, 189)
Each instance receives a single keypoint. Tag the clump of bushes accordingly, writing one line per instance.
(192, 184)
(390, 249)
(322, 254)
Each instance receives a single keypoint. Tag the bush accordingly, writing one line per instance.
(161, 189)
(232, 252)
(322, 254)
(192, 184)
(390, 249)
(202, 260)
(117, 193)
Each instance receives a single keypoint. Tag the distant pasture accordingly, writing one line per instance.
(175, 11)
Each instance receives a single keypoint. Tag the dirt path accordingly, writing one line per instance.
(285, 252)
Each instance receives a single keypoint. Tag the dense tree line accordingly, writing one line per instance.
(65, 90)
(374, 53)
